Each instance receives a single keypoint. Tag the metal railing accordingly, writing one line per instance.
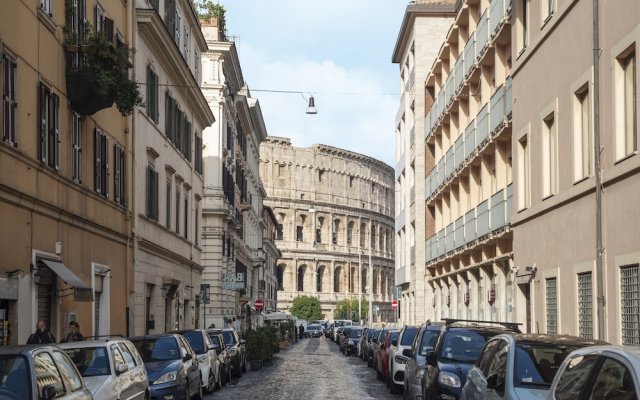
(497, 212)
(449, 162)
(482, 218)
(469, 55)
(449, 238)
(470, 226)
(470, 139)
(482, 34)
(459, 233)
(441, 167)
(509, 209)
(458, 74)
(482, 125)
(497, 11)
(497, 109)
(458, 153)
(448, 89)
(508, 97)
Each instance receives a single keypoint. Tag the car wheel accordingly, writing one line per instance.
(219, 380)
(211, 383)
(229, 374)
(200, 395)
(244, 366)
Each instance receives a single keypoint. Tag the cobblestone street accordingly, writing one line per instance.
(310, 369)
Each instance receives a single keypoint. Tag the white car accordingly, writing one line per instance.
(207, 358)
(111, 368)
(598, 372)
(395, 376)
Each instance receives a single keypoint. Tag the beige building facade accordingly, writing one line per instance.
(65, 192)
(168, 169)
(334, 210)
(423, 29)
(554, 221)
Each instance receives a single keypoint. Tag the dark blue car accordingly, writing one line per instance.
(172, 366)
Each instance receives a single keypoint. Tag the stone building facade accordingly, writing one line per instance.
(334, 210)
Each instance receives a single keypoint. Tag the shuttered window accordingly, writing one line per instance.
(186, 215)
(152, 95)
(168, 194)
(49, 127)
(152, 193)
(177, 126)
(76, 147)
(198, 154)
(9, 103)
(101, 162)
(119, 175)
(177, 208)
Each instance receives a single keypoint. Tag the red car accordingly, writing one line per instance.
(381, 361)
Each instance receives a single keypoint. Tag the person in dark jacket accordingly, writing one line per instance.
(41, 335)
(74, 334)
(301, 331)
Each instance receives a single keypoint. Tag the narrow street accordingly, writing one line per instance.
(310, 369)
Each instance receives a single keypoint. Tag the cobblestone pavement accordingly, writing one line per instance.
(309, 369)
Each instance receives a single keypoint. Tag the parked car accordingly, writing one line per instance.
(337, 324)
(519, 366)
(352, 340)
(363, 340)
(224, 360)
(171, 364)
(414, 358)
(395, 376)
(39, 373)
(457, 349)
(111, 368)
(207, 357)
(344, 338)
(373, 333)
(382, 355)
(313, 331)
(373, 347)
(338, 335)
(236, 349)
(599, 372)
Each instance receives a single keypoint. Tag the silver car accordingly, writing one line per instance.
(519, 366)
(395, 376)
(599, 372)
(207, 357)
(111, 368)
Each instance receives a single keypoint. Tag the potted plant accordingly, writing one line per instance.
(254, 346)
(71, 43)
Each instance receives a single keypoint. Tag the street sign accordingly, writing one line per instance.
(259, 304)
(205, 293)
(394, 304)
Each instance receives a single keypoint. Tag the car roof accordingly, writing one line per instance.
(537, 338)
(496, 330)
(628, 352)
(25, 349)
(90, 343)
(153, 336)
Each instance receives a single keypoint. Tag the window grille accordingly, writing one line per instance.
(552, 305)
(585, 305)
(630, 304)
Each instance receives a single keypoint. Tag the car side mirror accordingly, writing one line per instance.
(432, 358)
(494, 382)
(407, 353)
(394, 342)
(48, 392)
(187, 357)
(122, 367)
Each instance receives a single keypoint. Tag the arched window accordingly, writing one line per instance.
(320, 278)
(350, 233)
(336, 279)
(301, 271)
(280, 277)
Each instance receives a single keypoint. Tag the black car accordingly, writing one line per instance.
(171, 364)
(223, 356)
(351, 341)
(235, 348)
(367, 348)
(373, 346)
(414, 358)
(457, 349)
(343, 338)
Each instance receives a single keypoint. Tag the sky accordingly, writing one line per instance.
(339, 51)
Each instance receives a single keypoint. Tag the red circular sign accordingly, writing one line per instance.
(259, 304)
(394, 304)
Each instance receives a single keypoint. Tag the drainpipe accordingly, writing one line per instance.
(598, 173)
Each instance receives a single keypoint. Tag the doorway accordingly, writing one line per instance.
(524, 305)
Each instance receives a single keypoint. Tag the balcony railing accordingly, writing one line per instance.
(482, 125)
(470, 139)
(482, 34)
(448, 89)
(459, 233)
(458, 74)
(497, 107)
(449, 162)
(448, 239)
(497, 10)
(508, 97)
(509, 203)
(458, 153)
(498, 207)
(482, 219)
(470, 226)
(469, 55)
(412, 135)
(412, 194)
(440, 172)
(412, 252)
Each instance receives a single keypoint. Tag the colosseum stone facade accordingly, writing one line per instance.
(331, 204)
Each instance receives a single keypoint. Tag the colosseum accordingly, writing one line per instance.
(335, 218)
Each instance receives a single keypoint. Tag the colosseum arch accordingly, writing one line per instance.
(319, 235)
(280, 275)
(363, 280)
(363, 235)
(301, 226)
(336, 232)
(320, 278)
(353, 279)
(375, 281)
(350, 232)
(301, 275)
(337, 279)
(282, 228)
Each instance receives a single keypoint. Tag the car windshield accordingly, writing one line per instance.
(196, 341)
(215, 339)
(428, 342)
(408, 336)
(15, 376)
(463, 346)
(355, 333)
(537, 364)
(158, 349)
(229, 338)
(91, 361)
(313, 328)
(373, 334)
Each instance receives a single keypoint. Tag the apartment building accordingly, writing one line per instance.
(267, 276)
(554, 219)
(334, 225)
(168, 169)
(468, 184)
(233, 253)
(423, 30)
(65, 168)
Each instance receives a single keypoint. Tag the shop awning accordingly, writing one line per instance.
(81, 291)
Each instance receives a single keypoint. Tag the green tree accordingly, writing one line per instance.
(207, 9)
(307, 308)
(348, 309)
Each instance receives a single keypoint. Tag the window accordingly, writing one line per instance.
(168, 203)
(47, 6)
(575, 377)
(551, 297)
(49, 110)
(522, 33)
(152, 193)
(318, 235)
(197, 223)
(548, 8)
(351, 180)
(177, 127)
(185, 46)
(117, 355)
(176, 35)
(549, 157)
(320, 176)
(630, 303)
(128, 357)
(186, 215)
(152, 95)
(625, 105)
(614, 381)
(47, 373)
(119, 174)
(9, 103)
(69, 375)
(280, 170)
(487, 356)
(279, 232)
(198, 154)
(583, 137)
(524, 176)
(585, 305)
(498, 365)
(101, 162)
(178, 197)
(299, 232)
(155, 4)
(196, 64)
(76, 147)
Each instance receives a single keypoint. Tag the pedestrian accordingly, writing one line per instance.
(301, 332)
(74, 334)
(41, 335)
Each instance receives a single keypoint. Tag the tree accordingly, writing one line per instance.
(348, 309)
(307, 308)
(207, 9)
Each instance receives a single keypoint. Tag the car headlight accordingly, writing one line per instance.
(202, 358)
(449, 379)
(351, 342)
(419, 374)
(399, 360)
(168, 377)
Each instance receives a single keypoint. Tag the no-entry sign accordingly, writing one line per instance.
(259, 304)
(394, 304)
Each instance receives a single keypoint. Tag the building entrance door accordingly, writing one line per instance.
(524, 291)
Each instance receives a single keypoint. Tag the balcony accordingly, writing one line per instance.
(449, 164)
(427, 186)
(470, 139)
(412, 194)
(400, 166)
(427, 249)
(440, 172)
(448, 90)
(458, 152)
(497, 109)
(470, 226)
(458, 235)
(400, 220)
(412, 135)
(497, 14)
(482, 125)
(412, 252)
(482, 219)
(458, 74)
(509, 210)
(469, 55)
(449, 238)
(482, 35)
(498, 210)
(508, 98)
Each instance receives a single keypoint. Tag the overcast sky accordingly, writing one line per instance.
(339, 51)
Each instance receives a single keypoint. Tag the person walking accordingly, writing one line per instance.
(74, 334)
(301, 331)
(41, 335)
